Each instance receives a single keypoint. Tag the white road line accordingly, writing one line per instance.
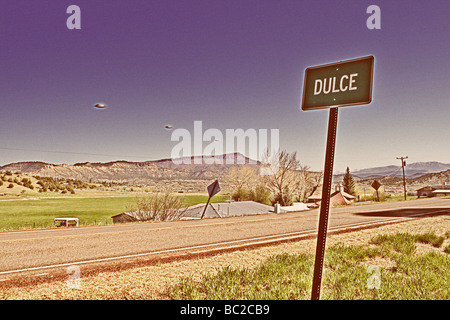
(251, 241)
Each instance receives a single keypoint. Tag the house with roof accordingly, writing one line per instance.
(433, 191)
(338, 197)
(125, 217)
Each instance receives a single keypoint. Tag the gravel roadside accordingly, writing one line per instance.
(151, 282)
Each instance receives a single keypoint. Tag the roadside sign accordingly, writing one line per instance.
(376, 185)
(330, 86)
(338, 84)
(213, 188)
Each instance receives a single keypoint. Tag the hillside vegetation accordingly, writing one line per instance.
(17, 183)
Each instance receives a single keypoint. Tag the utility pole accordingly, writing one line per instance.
(403, 168)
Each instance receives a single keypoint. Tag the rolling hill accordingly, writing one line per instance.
(412, 170)
(193, 168)
(203, 168)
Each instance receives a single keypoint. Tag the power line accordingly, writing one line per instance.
(69, 152)
(394, 172)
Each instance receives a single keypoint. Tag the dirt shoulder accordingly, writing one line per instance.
(151, 282)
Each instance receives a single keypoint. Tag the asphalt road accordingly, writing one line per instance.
(21, 250)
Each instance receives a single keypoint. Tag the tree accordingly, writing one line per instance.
(281, 175)
(349, 183)
(307, 183)
(244, 181)
(241, 178)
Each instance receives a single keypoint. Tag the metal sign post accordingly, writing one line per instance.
(325, 204)
(213, 188)
(344, 83)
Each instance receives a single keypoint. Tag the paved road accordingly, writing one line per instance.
(31, 249)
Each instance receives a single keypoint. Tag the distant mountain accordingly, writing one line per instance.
(412, 170)
(188, 168)
(434, 179)
(202, 161)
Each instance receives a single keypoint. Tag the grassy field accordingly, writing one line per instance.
(387, 268)
(27, 214)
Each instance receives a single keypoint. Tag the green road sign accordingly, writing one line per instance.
(339, 84)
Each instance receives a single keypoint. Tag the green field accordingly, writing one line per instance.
(29, 214)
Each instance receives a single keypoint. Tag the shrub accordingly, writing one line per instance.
(262, 195)
(159, 207)
(259, 194)
(10, 186)
(285, 198)
(242, 194)
(383, 196)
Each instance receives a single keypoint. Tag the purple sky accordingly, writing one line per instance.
(231, 64)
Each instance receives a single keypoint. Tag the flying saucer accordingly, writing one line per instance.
(100, 106)
(168, 127)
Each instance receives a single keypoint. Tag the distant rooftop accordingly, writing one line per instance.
(226, 209)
